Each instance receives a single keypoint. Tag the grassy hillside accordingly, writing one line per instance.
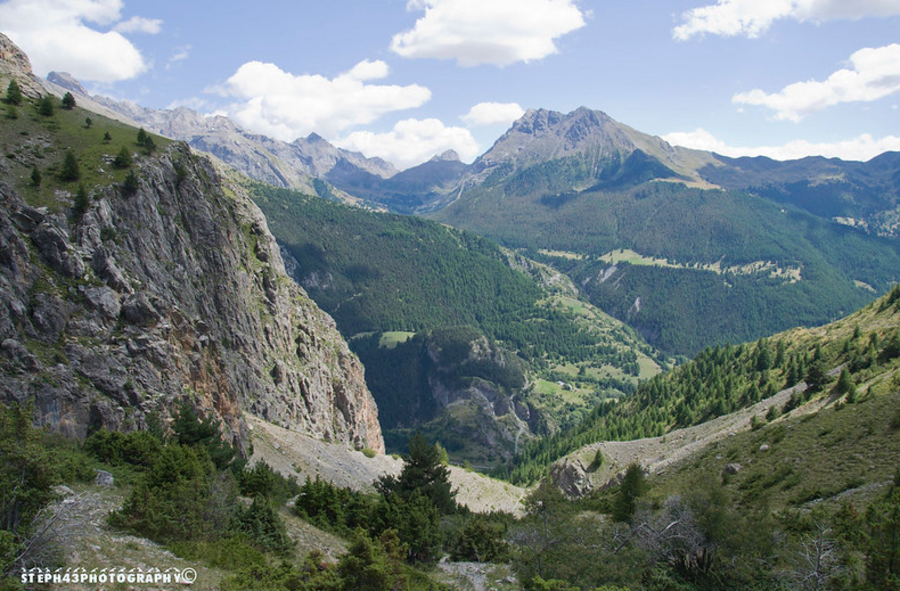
(722, 379)
(537, 209)
(33, 141)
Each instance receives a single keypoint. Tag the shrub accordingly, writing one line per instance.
(170, 500)
(263, 527)
(481, 540)
(138, 448)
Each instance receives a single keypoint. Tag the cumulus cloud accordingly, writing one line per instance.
(873, 75)
(498, 32)
(863, 147)
(413, 141)
(56, 36)
(287, 106)
(751, 18)
(484, 114)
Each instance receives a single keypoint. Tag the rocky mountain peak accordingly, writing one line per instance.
(541, 135)
(446, 156)
(67, 81)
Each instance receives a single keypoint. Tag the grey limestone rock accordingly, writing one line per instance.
(104, 478)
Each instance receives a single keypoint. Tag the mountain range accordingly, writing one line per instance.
(642, 226)
(164, 311)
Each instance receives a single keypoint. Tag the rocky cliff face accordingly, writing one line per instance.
(122, 309)
(176, 292)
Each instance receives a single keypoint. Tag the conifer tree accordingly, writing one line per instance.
(13, 93)
(123, 158)
(68, 101)
(632, 487)
(45, 106)
(70, 169)
(82, 201)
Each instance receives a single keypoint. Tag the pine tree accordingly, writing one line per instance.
(45, 106)
(123, 158)
(632, 487)
(13, 93)
(70, 169)
(131, 184)
(423, 472)
(36, 176)
(68, 101)
(82, 201)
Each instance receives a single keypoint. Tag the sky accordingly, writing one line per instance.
(408, 79)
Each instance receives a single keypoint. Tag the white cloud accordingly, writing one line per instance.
(498, 32)
(139, 24)
(484, 114)
(874, 74)
(412, 142)
(55, 36)
(181, 54)
(861, 148)
(751, 18)
(285, 106)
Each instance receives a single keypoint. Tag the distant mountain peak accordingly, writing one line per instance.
(315, 137)
(68, 82)
(446, 156)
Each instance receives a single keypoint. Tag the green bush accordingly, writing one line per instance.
(170, 501)
(139, 448)
(263, 527)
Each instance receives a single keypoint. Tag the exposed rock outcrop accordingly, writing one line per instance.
(175, 293)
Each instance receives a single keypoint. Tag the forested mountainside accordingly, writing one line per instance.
(529, 357)
(641, 229)
(855, 355)
(774, 249)
(133, 280)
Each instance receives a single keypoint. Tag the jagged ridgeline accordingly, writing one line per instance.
(396, 286)
(686, 247)
(132, 280)
(846, 359)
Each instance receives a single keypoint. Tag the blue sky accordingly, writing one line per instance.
(407, 79)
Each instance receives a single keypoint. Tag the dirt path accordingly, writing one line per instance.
(295, 454)
(655, 454)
